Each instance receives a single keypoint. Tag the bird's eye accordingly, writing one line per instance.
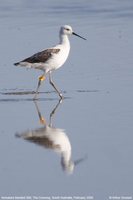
(67, 29)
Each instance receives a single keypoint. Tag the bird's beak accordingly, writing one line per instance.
(78, 35)
(76, 162)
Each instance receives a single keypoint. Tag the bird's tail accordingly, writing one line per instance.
(23, 64)
(29, 65)
(16, 64)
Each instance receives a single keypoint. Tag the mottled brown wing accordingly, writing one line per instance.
(42, 56)
(43, 141)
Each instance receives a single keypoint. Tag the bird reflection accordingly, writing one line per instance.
(52, 138)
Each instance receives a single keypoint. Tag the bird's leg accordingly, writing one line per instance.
(41, 78)
(53, 112)
(52, 83)
(41, 118)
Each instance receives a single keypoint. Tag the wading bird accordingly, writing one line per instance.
(51, 59)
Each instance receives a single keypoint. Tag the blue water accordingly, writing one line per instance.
(96, 114)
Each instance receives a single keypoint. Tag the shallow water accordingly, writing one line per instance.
(94, 119)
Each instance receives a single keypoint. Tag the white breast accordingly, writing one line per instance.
(57, 60)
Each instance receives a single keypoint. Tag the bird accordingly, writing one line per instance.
(52, 138)
(48, 60)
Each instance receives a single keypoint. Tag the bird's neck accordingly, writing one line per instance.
(65, 158)
(64, 40)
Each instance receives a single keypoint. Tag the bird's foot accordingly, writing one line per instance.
(35, 98)
(61, 97)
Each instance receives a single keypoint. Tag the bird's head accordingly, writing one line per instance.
(67, 30)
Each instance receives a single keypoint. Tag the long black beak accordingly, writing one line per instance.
(79, 36)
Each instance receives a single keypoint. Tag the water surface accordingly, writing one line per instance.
(95, 118)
